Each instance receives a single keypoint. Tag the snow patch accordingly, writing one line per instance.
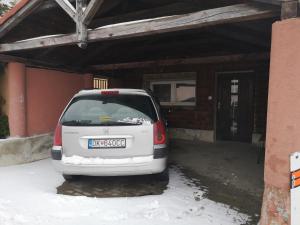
(23, 138)
(28, 197)
(142, 121)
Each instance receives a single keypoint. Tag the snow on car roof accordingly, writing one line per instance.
(120, 90)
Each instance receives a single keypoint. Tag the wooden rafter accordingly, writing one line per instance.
(38, 63)
(243, 36)
(68, 8)
(81, 28)
(19, 16)
(272, 2)
(289, 8)
(89, 55)
(170, 9)
(91, 10)
(223, 15)
(183, 61)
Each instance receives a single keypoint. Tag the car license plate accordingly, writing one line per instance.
(107, 143)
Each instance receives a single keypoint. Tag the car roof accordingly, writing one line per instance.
(120, 90)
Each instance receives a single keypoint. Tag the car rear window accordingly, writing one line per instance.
(110, 110)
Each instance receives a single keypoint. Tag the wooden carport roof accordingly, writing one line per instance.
(121, 33)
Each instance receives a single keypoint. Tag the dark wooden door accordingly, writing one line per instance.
(235, 107)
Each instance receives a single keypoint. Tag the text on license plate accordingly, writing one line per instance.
(107, 143)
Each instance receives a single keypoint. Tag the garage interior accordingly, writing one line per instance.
(218, 127)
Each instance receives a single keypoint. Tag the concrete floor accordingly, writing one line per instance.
(231, 163)
(227, 170)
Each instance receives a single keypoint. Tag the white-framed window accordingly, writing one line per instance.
(177, 92)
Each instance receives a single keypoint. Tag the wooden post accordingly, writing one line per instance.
(81, 27)
(82, 16)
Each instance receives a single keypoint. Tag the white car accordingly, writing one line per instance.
(111, 132)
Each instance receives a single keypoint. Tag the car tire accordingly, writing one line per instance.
(163, 176)
(69, 177)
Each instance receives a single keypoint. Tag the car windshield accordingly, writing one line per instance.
(110, 110)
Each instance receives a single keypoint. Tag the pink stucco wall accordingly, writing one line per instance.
(283, 125)
(4, 93)
(47, 93)
(36, 97)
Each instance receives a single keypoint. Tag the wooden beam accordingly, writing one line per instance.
(38, 63)
(244, 36)
(81, 28)
(164, 48)
(50, 5)
(289, 9)
(171, 9)
(82, 16)
(91, 10)
(211, 17)
(91, 54)
(44, 53)
(19, 16)
(68, 8)
(272, 2)
(183, 61)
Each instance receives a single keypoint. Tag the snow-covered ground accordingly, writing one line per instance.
(28, 196)
(3, 139)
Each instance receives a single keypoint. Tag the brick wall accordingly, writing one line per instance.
(202, 115)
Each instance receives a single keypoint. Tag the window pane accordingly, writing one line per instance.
(185, 92)
(234, 106)
(163, 92)
(234, 86)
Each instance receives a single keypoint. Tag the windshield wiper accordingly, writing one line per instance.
(76, 123)
(108, 123)
(131, 123)
(119, 123)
